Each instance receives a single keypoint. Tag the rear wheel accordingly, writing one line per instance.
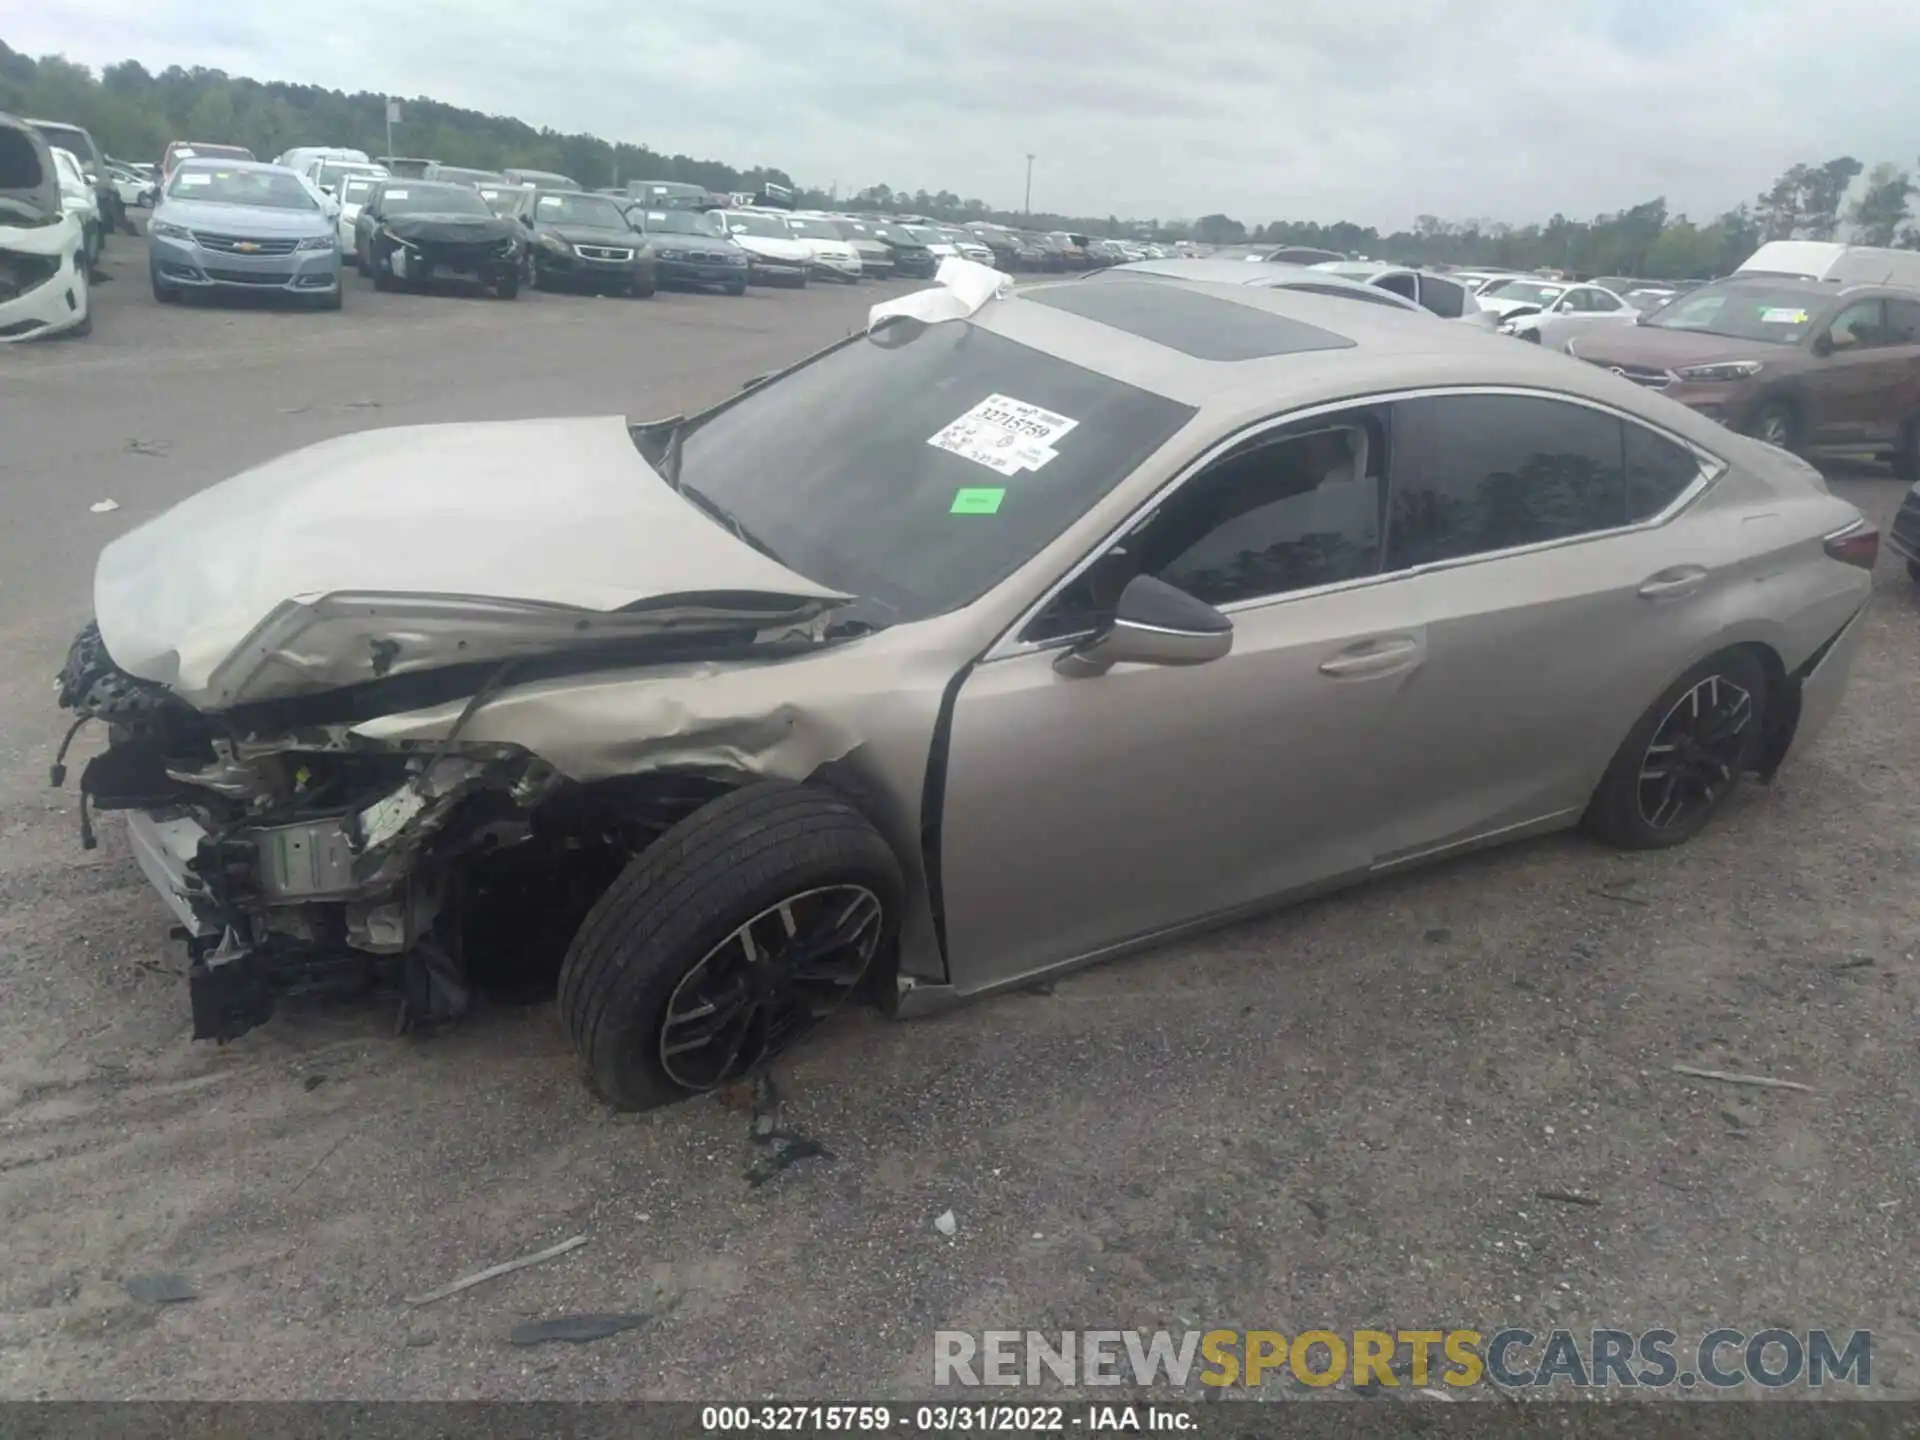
(731, 936)
(509, 287)
(1685, 756)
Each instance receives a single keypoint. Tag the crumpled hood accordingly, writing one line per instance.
(449, 229)
(407, 549)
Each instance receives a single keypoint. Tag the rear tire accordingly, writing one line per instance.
(1684, 756)
(784, 865)
(509, 288)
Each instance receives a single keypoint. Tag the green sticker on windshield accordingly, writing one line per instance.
(977, 502)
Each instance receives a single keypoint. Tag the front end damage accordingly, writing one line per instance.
(308, 859)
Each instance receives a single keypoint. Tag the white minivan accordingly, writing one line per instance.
(1830, 260)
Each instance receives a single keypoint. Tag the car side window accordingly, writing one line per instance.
(1659, 471)
(1859, 326)
(1288, 510)
(1903, 322)
(1399, 285)
(1479, 473)
(1602, 301)
(1442, 297)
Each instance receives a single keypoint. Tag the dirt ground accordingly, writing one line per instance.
(1339, 1116)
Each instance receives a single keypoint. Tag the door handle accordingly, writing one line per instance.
(1372, 657)
(1674, 583)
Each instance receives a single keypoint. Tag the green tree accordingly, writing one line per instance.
(1882, 207)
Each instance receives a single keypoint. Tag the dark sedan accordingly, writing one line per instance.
(692, 247)
(410, 231)
(585, 242)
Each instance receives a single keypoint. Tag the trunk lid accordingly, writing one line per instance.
(407, 549)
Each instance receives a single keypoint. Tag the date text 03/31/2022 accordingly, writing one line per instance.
(940, 1419)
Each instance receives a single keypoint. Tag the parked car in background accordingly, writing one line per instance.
(911, 257)
(1442, 294)
(45, 288)
(1306, 279)
(109, 210)
(876, 256)
(1260, 599)
(939, 244)
(692, 247)
(1800, 364)
(238, 225)
(80, 198)
(301, 157)
(1521, 294)
(352, 194)
(411, 231)
(833, 257)
(671, 195)
(137, 191)
(580, 241)
(406, 167)
(1574, 308)
(775, 255)
(181, 150)
(465, 175)
(1297, 255)
(542, 179)
(967, 245)
(1834, 262)
(328, 175)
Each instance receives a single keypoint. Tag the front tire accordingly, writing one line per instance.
(1906, 454)
(1776, 423)
(509, 287)
(1685, 756)
(726, 940)
(643, 289)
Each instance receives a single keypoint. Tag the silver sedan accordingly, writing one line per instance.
(1014, 632)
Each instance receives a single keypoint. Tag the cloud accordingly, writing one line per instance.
(1370, 110)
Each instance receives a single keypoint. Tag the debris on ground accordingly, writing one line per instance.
(419, 1339)
(574, 1329)
(1728, 1077)
(946, 1224)
(101, 507)
(1616, 895)
(766, 1132)
(164, 1288)
(1854, 962)
(155, 448)
(496, 1271)
(313, 1083)
(1566, 1197)
(1439, 935)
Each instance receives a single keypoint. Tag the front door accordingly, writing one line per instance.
(1846, 387)
(1080, 813)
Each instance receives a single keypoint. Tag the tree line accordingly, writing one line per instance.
(134, 113)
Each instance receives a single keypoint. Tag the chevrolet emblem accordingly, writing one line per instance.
(245, 247)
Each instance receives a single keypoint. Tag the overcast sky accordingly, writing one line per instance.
(1370, 110)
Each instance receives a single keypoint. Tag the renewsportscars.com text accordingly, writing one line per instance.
(1722, 1359)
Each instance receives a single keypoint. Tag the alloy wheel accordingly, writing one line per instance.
(767, 983)
(1695, 753)
(1774, 428)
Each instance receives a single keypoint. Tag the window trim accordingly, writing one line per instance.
(1008, 644)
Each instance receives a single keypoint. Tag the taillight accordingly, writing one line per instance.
(1858, 544)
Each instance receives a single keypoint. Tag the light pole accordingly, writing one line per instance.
(1028, 207)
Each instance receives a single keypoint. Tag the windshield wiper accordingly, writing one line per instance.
(720, 512)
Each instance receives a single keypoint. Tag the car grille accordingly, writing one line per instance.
(250, 277)
(1650, 376)
(603, 252)
(1906, 526)
(243, 244)
(473, 256)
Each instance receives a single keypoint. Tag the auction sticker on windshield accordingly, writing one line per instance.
(1004, 434)
(396, 195)
(1783, 317)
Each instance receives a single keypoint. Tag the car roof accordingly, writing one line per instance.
(1268, 274)
(1380, 350)
(195, 162)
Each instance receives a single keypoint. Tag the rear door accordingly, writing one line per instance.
(1553, 612)
(1902, 405)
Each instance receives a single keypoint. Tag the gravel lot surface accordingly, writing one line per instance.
(1338, 1116)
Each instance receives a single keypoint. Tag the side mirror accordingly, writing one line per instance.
(1823, 344)
(1154, 624)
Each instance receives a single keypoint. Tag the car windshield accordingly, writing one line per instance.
(1773, 314)
(337, 173)
(874, 469)
(566, 209)
(740, 221)
(501, 199)
(68, 138)
(355, 189)
(1528, 292)
(685, 222)
(813, 229)
(896, 234)
(433, 200)
(268, 189)
(926, 236)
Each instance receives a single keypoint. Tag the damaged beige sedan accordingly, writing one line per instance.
(1010, 633)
